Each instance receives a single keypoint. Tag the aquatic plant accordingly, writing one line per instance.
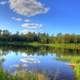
(77, 72)
(73, 60)
(21, 75)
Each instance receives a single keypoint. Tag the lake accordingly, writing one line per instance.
(39, 59)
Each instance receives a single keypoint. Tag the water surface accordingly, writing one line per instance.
(43, 62)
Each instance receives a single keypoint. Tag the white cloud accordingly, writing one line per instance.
(20, 19)
(25, 31)
(3, 2)
(17, 18)
(27, 20)
(31, 26)
(27, 7)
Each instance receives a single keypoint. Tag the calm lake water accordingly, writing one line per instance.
(38, 60)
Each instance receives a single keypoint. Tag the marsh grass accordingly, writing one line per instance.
(77, 71)
(73, 60)
(21, 75)
(65, 45)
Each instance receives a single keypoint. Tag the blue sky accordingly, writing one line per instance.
(50, 16)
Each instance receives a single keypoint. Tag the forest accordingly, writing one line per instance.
(43, 38)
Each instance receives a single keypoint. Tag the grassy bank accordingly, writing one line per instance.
(66, 45)
(35, 44)
(73, 60)
(77, 71)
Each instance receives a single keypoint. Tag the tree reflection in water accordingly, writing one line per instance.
(39, 51)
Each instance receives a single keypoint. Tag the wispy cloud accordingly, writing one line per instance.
(27, 20)
(3, 2)
(16, 18)
(31, 26)
(20, 19)
(28, 7)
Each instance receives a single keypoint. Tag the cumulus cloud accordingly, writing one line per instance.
(31, 26)
(27, 7)
(3, 2)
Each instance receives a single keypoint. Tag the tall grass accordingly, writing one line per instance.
(73, 60)
(77, 72)
(21, 75)
(65, 45)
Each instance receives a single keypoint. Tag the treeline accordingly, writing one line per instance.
(5, 36)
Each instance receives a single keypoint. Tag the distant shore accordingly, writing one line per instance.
(35, 44)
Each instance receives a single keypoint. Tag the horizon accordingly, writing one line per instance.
(52, 17)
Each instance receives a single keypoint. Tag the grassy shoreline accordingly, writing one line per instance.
(35, 44)
(73, 60)
(65, 45)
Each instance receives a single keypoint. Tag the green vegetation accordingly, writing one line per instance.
(6, 76)
(41, 41)
(21, 75)
(68, 41)
(73, 60)
(66, 45)
(8, 38)
(77, 72)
